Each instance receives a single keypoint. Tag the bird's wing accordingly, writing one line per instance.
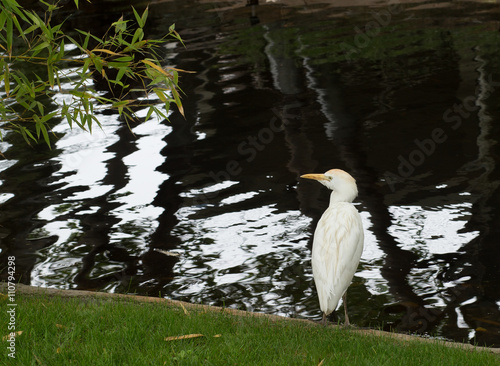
(337, 247)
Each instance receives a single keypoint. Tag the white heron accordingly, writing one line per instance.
(338, 241)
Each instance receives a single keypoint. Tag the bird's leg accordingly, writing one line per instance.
(346, 323)
(324, 320)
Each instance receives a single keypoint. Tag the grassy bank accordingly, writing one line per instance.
(119, 331)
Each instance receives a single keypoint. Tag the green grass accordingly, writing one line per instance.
(94, 331)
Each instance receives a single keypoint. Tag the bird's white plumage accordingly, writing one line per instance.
(338, 240)
(337, 247)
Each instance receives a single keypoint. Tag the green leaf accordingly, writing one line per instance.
(9, 35)
(136, 46)
(125, 59)
(138, 18)
(31, 29)
(27, 135)
(97, 61)
(3, 18)
(18, 26)
(36, 50)
(120, 25)
(121, 103)
(177, 100)
(14, 7)
(144, 16)
(120, 74)
(150, 112)
(86, 41)
(41, 108)
(50, 7)
(86, 65)
(35, 19)
(6, 79)
(138, 35)
(161, 95)
(87, 38)
(50, 73)
(61, 51)
(49, 116)
(45, 135)
(115, 82)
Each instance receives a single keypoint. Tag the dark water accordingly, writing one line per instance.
(406, 97)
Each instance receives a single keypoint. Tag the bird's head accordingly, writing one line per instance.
(339, 181)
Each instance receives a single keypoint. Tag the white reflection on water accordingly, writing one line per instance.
(232, 246)
(83, 163)
(209, 191)
(144, 181)
(4, 197)
(234, 237)
(371, 258)
(431, 230)
(85, 156)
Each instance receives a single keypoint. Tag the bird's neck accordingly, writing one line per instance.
(337, 197)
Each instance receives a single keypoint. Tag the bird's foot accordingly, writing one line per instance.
(324, 321)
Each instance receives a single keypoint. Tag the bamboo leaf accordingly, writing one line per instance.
(48, 116)
(87, 38)
(178, 101)
(31, 29)
(60, 55)
(41, 108)
(138, 18)
(122, 103)
(161, 95)
(144, 16)
(40, 47)
(150, 112)
(27, 135)
(45, 134)
(13, 6)
(188, 336)
(50, 73)
(86, 41)
(9, 35)
(106, 51)
(120, 25)
(6, 79)
(156, 67)
(138, 35)
(18, 26)
(135, 46)
(3, 18)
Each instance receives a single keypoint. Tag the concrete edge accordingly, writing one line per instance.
(31, 290)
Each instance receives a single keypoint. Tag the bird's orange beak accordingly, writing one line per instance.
(314, 176)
